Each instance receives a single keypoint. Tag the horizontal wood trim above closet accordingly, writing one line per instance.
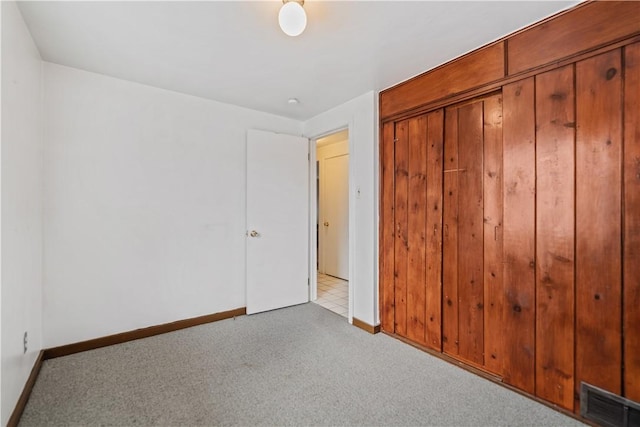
(470, 71)
(26, 392)
(543, 46)
(483, 91)
(120, 338)
(592, 25)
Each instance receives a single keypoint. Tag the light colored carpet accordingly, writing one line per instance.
(301, 365)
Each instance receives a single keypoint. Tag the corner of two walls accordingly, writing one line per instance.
(21, 206)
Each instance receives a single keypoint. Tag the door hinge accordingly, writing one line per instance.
(308, 281)
(309, 156)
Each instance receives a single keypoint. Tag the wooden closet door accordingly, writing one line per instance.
(470, 233)
(387, 228)
(435, 151)
(472, 254)
(631, 260)
(598, 344)
(515, 352)
(412, 250)
(555, 234)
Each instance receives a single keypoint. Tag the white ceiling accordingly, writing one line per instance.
(234, 51)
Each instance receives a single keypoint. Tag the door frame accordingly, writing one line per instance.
(313, 217)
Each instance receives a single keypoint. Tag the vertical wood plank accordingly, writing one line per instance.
(401, 232)
(493, 324)
(631, 259)
(517, 349)
(470, 233)
(434, 229)
(450, 235)
(598, 221)
(417, 207)
(387, 227)
(555, 121)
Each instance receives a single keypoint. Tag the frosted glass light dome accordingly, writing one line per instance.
(292, 18)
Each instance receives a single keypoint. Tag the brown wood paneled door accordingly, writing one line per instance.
(435, 151)
(450, 339)
(631, 258)
(411, 250)
(555, 207)
(510, 234)
(515, 352)
(401, 233)
(598, 221)
(387, 228)
(493, 232)
(472, 227)
(510, 218)
(417, 201)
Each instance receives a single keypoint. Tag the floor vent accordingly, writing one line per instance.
(608, 409)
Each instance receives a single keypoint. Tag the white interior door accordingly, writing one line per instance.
(336, 216)
(277, 220)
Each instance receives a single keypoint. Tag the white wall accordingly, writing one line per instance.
(144, 204)
(21, 201)
(360, 114)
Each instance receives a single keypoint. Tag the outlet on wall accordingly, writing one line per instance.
(25, 342)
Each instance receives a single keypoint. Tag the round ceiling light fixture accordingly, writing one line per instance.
(292, 17)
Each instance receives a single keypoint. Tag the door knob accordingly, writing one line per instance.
(326, 223)
(254, 233)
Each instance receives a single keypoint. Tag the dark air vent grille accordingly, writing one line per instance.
(608, 409)
(634, 418)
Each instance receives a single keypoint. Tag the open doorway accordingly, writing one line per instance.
(332, 227)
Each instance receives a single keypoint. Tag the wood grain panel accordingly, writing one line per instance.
(493, 324)
(470, 233)
(401, 242)
(387, 228)
(585, 28)
(598, 221)
(555, 121)
(434, 229)
(631, 258)
(417, 213)
(473, 70)
(518, 302)
(450, 235)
